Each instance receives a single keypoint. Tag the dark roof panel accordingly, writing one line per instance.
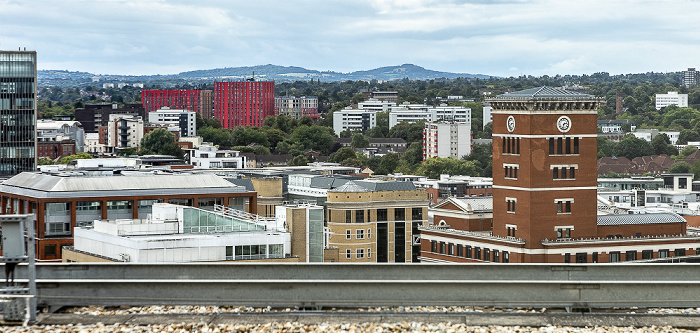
(247, 183)
(544, 92)
(628, 219)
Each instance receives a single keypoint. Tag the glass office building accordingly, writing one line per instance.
(17, 112)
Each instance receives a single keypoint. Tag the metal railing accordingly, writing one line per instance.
(360, 285)
(268, 222)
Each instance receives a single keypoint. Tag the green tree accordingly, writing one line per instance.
(45, 161)
(412, 156)
(662, 145)
(435, 166)
(407, 131)
(127, 152)
(70, 158)
(373, 163)
(318, 138)
(341, 155)
(359, 141)
(387, 165)
(605, 147)
(218, 137)
(687, 135)
(673, 113)
(487, 132)
(306, 120)
(299, 160)
(357, 98)
(255, 149)
(162, 142)
(685, 152)
(207, 122)
(382, 128)
(274, 135)
(359, 160)
(695, 169)
(347, 133)
(679, 167)
(243, 136)
(632, 147)
(482, 156)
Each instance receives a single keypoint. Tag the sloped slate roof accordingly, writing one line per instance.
(544, 92)
(349, 187)
(136, 181)
(326, 182)
(478, 204)
(247, 183)
(628, 219)
(387, 186)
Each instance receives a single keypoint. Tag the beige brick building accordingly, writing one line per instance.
(376, 221)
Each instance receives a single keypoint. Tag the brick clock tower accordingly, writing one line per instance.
(544, 166)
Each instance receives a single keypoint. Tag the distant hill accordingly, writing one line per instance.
(268, 72)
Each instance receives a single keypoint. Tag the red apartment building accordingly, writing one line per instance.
(545, 194)
(55, 149)
(244, 103)
(199, 101)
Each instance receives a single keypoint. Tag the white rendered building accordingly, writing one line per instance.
(672, 98)
(354, 120)
(175, 233)
(374, 104)
(297, 107)
(445, 139)
(55, 130)
(208, 156)
(487, 116)
(691, 77)
(417, 112)
(125, 131)
(649, 134)
(185, 120)
(92, 144)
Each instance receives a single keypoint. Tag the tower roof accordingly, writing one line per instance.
(544, 92)
(349, 187)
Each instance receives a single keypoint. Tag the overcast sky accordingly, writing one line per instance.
(504, 38)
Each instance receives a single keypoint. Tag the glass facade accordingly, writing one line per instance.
(198, 220)
(146, 207)
(247, 252)
(17, 112)
(57, 219)
(119, 209)
(315, 235)
(87, 211)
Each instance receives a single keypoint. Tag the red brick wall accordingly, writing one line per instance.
(657, 229)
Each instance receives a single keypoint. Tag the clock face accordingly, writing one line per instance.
(564, 124)
(510, 124)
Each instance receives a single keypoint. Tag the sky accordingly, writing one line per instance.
(500, 37)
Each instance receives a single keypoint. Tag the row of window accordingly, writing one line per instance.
(563, 205)
(558, 172)
(510, 205)
(383, 215)
(511, 171)
(511, 145)
(563, 146)
(359, 253)
(469, 252)
(564, 172)
(557, 146)
(359, 234)
(631, 255)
